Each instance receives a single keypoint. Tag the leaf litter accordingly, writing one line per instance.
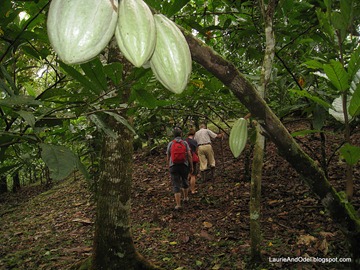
(53, 229)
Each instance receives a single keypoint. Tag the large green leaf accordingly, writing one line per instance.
(337, 75)
(60, 160)
(177, 5)
(95, 72)
(121, 120)
(96, 119)
(354, 107)
(318, 100)
(354, 63)
(114, 71)
(80, 78)
(350, 153)
(19, 100)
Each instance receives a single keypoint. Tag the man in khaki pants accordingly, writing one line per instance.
(206, 153)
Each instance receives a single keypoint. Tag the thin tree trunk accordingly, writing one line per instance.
(16, 183)
(258, 158)
(340, 210)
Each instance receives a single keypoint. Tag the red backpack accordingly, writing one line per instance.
(178, 152)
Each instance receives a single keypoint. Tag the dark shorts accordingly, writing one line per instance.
(179, 177)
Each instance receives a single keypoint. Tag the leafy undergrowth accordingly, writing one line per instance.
(54, 230)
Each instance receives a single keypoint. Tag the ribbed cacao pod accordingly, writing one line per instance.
(238, 137)
(135, 31)
(80, 29)
(171, 61)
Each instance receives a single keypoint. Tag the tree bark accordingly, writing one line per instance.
(340, 209)
(113, 243)
(3, 184)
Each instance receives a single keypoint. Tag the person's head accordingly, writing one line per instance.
(203, 125)
(177, 132)
(191, 132)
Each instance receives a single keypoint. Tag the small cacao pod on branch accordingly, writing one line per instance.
(238, 137)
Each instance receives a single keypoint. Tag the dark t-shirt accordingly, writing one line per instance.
(193, 144)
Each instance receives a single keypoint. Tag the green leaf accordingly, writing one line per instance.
(350, 153)
(354, 63)
(337, 75)
(145, 98)
(13, 89)
(354, 107)
(80, 78)
(304, 93)
(121, 120)
(175, 7)
(102, 126)
(60, 160)
(95, 72)
(28, 117)
(314, 64)
(19, 100)
(114, 72)
(304, 132)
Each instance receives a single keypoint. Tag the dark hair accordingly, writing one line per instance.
(191, 132)
(177, 132)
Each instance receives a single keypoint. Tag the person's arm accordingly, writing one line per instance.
(190, 160)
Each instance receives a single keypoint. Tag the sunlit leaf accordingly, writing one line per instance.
(337, 75)
(350, 153)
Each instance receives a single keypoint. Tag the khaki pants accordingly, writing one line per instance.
(206, 156)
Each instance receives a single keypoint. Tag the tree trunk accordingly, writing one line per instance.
(3, 184)
(16, 183)
(340, 210)
(113, 244)
(258, 158)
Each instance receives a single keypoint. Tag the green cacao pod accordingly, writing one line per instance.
(238, 137)
(135, 31)
(79, 30)
(171, 61)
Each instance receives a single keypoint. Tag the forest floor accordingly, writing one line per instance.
(53, 229)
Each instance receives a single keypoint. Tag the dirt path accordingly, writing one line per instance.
(54, 230)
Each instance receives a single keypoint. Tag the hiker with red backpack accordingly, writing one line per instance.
(180, 165)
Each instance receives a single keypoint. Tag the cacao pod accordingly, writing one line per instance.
(79, 30)
(135, 31)
(238, 137)
(171, 61)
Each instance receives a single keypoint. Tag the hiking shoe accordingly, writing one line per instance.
(177, 207)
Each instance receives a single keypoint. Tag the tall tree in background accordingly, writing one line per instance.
(268, 10)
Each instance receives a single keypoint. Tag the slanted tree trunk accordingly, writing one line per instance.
(340, 210)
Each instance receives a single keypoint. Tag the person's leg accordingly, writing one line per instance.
(211, 157)
(193, 179)
(178, 200)
(176, 183)
(203, 161)
(185, 183)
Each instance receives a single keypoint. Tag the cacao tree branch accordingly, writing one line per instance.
(340, 209)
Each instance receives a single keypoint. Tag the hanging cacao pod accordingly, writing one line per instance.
(238, 137)
(79, 30)
(135, 31)
(171, 61)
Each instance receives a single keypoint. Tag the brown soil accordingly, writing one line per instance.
(54, 230)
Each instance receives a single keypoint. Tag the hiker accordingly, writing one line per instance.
(180, 164)
(206, 153)
(195, 159)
